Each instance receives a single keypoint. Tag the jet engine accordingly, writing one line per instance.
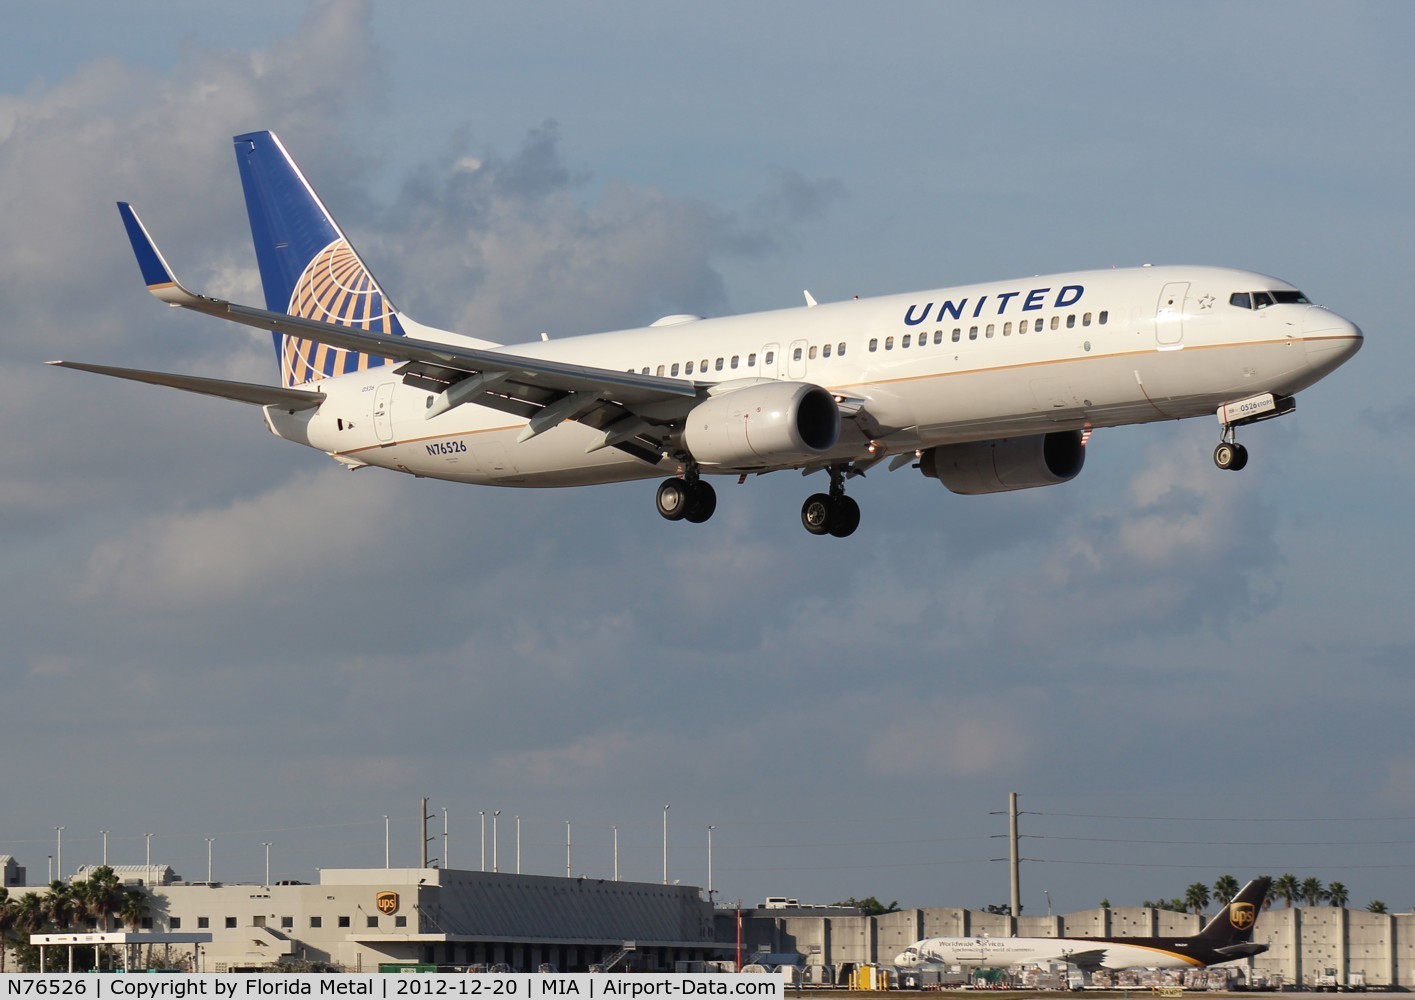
(767, 423)
(1007, 463)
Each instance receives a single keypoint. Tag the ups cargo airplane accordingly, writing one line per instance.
(1228, 936)
(985, 388)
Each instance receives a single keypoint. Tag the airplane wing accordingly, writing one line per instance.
(245, 392)
(1089, 960)
(624, 406)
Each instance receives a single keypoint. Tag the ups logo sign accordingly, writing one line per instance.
(386, 901)
(1242, 915)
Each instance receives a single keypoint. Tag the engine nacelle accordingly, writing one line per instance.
(1007, 463)
(769, 423)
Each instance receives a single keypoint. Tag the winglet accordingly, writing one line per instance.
(159, 278)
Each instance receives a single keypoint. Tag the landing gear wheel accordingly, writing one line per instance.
(844, 517)
(702, 501)
(1230, 456)
(816, 513)
(674, 499)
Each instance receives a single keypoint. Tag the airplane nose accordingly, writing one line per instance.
(1329, 340)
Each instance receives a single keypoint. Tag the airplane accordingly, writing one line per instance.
(1226, 937)
(986, 388)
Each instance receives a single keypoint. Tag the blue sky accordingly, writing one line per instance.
(208, 632)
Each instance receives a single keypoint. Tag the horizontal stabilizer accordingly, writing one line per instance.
(244, 392)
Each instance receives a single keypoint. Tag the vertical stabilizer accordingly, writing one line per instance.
(1235, 922)
(307, 266)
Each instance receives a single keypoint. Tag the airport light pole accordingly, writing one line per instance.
(266, 845)
(387, 848)
(482, 813)
(616, 852)
(149, 850)
(208, 860)
(444, 837)
(567, 848)
(518, 845)
(59, 851)
(665, 845)
(709, 885)
(495, 817)
(105, 846)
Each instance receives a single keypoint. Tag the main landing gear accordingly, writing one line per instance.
(689, 498)
(831, 513)
(686, 498)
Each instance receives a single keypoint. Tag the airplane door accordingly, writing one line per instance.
(383, 411)
(771, 361)
(1169, 314)
(796, 360)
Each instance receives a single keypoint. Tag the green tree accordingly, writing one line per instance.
(1287, 888)
(872, 906)
(1337, 894)
(1196, 897)
(1376, 906)
(7, 923)
(100, 895)
(1225, 888)
(1313, 892)
(60, 906)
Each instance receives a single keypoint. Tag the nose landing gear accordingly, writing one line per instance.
(1230, 456)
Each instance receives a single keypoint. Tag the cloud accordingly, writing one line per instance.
(284, 539)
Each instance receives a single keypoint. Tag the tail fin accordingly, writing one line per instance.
(307, 266)
(1235, 922)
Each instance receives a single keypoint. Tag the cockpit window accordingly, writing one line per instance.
(1261, 300)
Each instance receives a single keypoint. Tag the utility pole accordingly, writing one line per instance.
(1016, 857)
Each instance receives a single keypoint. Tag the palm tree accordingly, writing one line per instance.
(1312, 890)
(133, 910)
(59, 905)
(101, 894)
(29, 916)
(1376, 906)
(1196, 897)
(1225, 888)
(1337, 894)
(7, 922)
(1287, 888)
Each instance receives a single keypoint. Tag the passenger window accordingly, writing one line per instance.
(735, 359)
(1056, 322)
(752, 360)
(718, 366)
(675, 368)
(990, 330)
(889, 343)
(905, 341)
(688, 368)
(938, 336)
(1086, 320)
(769, 358)
(840, 350)
(972, 333)
(645, 371)
(874, 344)
(957, 334)
(1070, 321)
(825, 351)
(1104, 315)
(660, 369)
(796, 354)
(811, 354)
(703, 367)
(1007, 329)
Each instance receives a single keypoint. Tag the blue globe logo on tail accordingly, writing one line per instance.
(335, 287)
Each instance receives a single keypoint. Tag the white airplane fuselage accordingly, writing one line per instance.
(1099, 349)
(1004, 953)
